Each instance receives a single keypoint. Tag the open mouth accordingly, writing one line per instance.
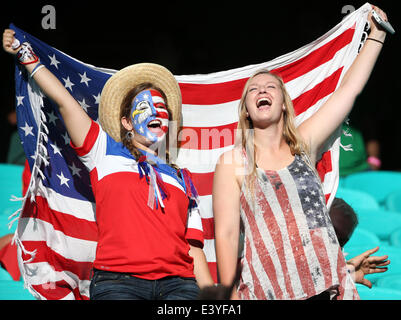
(157, 127)
(154, 124)
(263, 102)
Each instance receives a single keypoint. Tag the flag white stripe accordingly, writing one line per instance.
(206, 206)
(302, 225)
(275, 206)
(208, 248)
(256, 264)
(81, 209)
(68, 247)
(200, 161)
(48, 275)
(265, 234)
(210, 115)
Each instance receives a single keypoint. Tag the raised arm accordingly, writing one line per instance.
(75, 118)
(322, 124)
(226, 199)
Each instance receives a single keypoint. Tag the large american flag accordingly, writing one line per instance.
(57, 231)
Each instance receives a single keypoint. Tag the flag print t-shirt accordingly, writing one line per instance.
(133, 238)
(290, 248)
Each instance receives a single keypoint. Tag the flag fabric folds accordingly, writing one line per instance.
(57, 231)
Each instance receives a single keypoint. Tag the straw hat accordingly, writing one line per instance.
(117, 87)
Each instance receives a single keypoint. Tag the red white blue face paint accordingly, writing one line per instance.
(149, 115)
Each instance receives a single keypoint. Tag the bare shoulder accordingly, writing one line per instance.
(231, 159)
(230, 164)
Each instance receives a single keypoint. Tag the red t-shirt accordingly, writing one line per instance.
(133, 238)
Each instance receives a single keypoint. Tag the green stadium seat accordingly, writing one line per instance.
(357, 199)
(363, 238)
(392, 281)
(393, 201)
(379, 184)
(9, 172)
(4, 275)
(395, 238)
(14, 290)
(381, 222)
(378, 293)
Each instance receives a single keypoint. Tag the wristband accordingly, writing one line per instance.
(26, 55)
(37, 68)
(375, 161)
(375, 40)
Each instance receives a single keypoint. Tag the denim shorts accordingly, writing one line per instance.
(106, 285)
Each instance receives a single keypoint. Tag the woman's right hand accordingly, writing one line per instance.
(8, 39)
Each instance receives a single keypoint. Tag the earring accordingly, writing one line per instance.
(129, 135)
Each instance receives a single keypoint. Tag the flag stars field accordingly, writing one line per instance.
(52, 118)
(97, 98)
(19, 100)
(27, 129)
(68, 84)
(63, 180)
(54, 61)
(75, 170)
(56, 149)
(84, 78)
(84, 105)
(66, 138)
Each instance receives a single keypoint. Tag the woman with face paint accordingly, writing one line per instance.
(267, 189)
(150, 230)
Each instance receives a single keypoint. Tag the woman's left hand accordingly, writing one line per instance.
(375, 29)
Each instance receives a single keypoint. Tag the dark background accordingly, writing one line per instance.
(190, 37)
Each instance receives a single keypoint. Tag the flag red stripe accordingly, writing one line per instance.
(341, 271)
(210, 94)
(257, 286)
(203, 182)
(273, 227)
(323, 257)
(216, 93)
(321, 90)
(213, 271)
(266, 261)
(295, 239)
(66, 223)
(59, 263)
(315, 58)
(324, 165)
(58, 290)
(206, 138)
(208, 228)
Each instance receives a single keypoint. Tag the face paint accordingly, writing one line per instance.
(149, 115)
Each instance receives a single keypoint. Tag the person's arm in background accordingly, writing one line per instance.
(364, 264)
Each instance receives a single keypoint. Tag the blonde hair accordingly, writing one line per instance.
(245, 138)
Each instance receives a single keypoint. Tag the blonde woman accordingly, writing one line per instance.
(267, 188)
